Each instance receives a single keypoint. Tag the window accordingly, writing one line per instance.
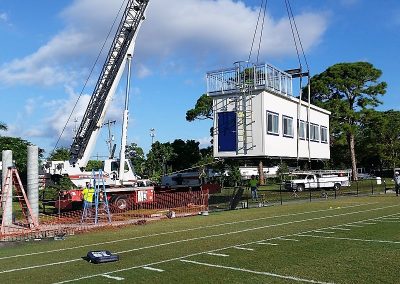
(324, 134)
(287, 126)
(302, 130)
(272, 123)
(314, 132)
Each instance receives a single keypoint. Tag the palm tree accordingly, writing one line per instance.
(3, 126)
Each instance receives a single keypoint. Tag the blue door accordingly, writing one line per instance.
(227, 131)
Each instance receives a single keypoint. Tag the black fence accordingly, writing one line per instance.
(275, 194)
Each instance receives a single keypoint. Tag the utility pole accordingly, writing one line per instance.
(152, 134)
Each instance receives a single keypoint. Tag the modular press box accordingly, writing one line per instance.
(256, 115)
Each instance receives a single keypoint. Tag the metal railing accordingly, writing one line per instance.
(257, 77)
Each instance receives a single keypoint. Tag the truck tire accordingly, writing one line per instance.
(300, 187)
(337, 186)
(121, 202)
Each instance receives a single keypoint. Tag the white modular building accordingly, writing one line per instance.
(256, 115)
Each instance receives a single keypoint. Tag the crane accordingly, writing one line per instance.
(119, 55)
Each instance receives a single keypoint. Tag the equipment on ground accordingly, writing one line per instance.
(13, 182)
(101, 256)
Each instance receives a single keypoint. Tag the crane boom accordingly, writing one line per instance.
(122, 46)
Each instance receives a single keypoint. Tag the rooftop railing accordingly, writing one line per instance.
(256, 77)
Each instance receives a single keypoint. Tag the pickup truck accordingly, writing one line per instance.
(315, 181)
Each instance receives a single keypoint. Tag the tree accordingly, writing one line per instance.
(94, 165)
(19, 148)
(136, 155)
(186, 154)
(346, 89)
(157, 158)
(202, 110)
(3, 126)
(59, 154)
(379, 139)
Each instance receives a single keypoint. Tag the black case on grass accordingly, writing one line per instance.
(101, 256)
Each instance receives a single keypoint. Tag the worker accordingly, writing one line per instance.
(397, 182)
(88, 193)
(253, 187)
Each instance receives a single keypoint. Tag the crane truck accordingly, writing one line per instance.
(120, 180)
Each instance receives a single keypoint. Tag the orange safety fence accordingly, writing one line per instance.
(163, 205)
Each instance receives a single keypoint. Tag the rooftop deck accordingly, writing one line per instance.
(256, 77)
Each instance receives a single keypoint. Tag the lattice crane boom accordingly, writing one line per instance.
(122, 47)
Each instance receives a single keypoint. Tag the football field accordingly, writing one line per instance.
(347, 240)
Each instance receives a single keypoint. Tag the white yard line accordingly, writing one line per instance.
(113, 277)
(353, 225)
(369, 223)
(390, 221)
(153, 269)
(287, 277)
(199, 253)
(324, 232)
(350, 239)
(180, 231)
(266, 243)
(218, 254)
(241, 248)
(341, 229)
(287, 239)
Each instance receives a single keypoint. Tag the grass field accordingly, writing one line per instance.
(347, 240)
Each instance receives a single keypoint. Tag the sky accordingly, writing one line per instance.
(48, 48)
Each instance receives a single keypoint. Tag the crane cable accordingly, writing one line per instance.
(296, 35)
(263, 8)
(90, 74)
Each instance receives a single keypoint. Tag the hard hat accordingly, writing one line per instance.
(396, 173)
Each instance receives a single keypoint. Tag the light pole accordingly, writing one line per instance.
(152, 134)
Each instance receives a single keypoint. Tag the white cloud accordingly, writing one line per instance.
(3, 17)
(204, 142)
(143, 71)
(221, 28)
(198, 29)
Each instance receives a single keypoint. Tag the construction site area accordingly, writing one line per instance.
(297, 180)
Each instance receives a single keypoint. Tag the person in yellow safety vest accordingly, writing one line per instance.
(88, 193)
(253, 183)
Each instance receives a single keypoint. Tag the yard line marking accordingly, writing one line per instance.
(266, 243)
(153, 269)
(353, 225)
(256, 272)
(250, 249)
(324, 232)
(369, 223)
(180, 231)
(218, 254)
(113, 277)
(196, 254)
(351, 239)
(390, 221)
(287, 239)
(39, 266)
(341, 229)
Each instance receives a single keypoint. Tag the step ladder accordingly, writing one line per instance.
(13, 181)
(99, 208)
